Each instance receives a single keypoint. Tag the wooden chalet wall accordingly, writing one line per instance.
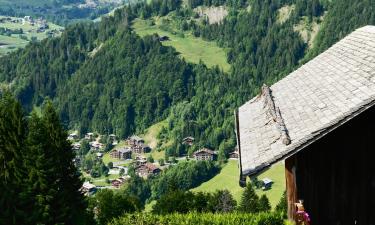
(335, 175)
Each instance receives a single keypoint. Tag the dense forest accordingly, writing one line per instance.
(38, 180)
(104, 77)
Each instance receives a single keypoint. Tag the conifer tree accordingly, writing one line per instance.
(41, 169)
(282, 206)
(68, 204)
(249, 200)
(12, 171)
(264, 204)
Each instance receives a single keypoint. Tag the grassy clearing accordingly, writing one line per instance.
(228, 179)
(309, 30)
(152, 133)
(284, 13)
(100, 181)
(151, 138)
(191, 48)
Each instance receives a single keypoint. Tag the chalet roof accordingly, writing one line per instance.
(315, 99)
(136, 138)
(124, 150)
(88, 185)
(188, 138)
(204, 150)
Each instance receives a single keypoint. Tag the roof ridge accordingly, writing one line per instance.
(275, 114)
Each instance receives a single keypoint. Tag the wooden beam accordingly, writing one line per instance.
(291, 185)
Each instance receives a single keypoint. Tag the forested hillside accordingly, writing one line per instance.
(104, 77)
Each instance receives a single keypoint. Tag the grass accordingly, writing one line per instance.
(152, 133)
(148, 206)
(100, 181)
(228, 179)
(192, 49)
(151, 138)
(277, 174)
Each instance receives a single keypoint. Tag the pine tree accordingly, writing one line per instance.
(225, 202)
(249, 200)
(282, 206)
(41, 171)
(12, 172)
(264, 204)
(68, 206)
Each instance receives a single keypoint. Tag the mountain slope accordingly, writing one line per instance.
(131, 82)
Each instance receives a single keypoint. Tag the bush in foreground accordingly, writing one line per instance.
(200, 218)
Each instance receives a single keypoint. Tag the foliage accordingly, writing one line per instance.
(109, 204)
(282, 206)
(200, 218)
(249, 200)
(343, 17)
(222, 201)
(49, 192)
(264, 204)
(178, 201)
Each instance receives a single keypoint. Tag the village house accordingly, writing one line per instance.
(204, 154)
(140, 148)
(320, 120)
(140, 160)
(146, 170)
(89, 136)
(122, 153)
(95, 146)
(76, 146)
(73, 136)
(135, 140)
(88, 188)
(116, 183)
(234, 155)
(112, 138)
(188, 141)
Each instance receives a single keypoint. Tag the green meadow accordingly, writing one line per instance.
(228, 178)
(192, 49)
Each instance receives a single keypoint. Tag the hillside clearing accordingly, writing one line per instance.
(284, 13)
(192, 49)
(308, 30)
(228, 179)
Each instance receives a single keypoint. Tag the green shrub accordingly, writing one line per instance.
(200, 218)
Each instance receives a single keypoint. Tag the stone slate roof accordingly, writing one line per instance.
(315, 99)
(204, 150)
